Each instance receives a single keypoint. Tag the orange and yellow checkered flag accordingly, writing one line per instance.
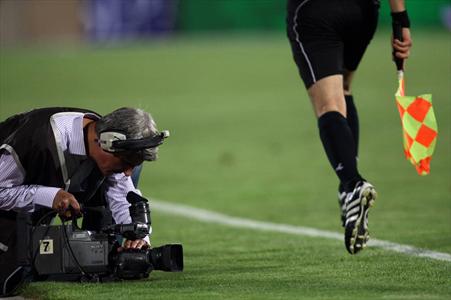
(419, 127)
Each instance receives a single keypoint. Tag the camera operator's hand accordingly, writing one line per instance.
(136, 244)
(63, 200)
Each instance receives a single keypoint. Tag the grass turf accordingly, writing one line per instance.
(244, 142)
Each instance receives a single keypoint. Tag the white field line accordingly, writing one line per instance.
(214, 217)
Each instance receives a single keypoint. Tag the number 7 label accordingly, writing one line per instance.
(45, 246)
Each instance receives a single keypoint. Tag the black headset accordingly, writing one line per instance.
(114, 141)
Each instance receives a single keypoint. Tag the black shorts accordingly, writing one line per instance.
(329, 36)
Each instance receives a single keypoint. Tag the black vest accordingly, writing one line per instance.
(30, 138)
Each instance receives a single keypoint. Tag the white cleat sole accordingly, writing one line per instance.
(359, 230)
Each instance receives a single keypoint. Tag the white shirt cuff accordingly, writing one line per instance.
(147, 239)
(44, 196)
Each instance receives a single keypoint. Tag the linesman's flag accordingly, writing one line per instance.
(419, 128)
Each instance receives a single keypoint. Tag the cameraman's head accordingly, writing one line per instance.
(123, 124)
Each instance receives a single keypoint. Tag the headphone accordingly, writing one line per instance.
(113, 141)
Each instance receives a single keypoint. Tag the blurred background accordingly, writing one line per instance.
(99, 21)
(220, 76)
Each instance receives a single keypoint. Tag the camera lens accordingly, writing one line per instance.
(167, 258)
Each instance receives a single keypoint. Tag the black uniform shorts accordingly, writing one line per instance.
(329, 36)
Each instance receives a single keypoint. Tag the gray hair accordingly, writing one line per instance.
(134, 123)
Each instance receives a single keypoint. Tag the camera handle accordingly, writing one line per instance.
(75, 223)
(70, 215)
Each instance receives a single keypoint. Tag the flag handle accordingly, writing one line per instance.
(397, 34)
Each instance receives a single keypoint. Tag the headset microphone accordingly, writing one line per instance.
(112, 141)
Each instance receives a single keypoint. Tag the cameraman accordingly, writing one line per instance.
(58, 158)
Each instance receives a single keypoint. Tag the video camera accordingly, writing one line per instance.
(95, 256)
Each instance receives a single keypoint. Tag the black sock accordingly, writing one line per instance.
(339, 145)
(353, 121)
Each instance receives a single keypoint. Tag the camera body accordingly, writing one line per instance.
(68, 250)
(51, 253)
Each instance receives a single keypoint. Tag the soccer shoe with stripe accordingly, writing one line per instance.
(342, 204)
(358, 203)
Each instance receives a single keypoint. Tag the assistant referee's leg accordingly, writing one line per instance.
(328, 100)
(351, 109)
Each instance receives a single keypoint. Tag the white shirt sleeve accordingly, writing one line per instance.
(14, 195)
(118, 186)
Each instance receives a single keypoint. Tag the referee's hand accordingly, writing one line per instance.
(63, 200)
(402, 49)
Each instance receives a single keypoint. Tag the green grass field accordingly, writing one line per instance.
(244, 143)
